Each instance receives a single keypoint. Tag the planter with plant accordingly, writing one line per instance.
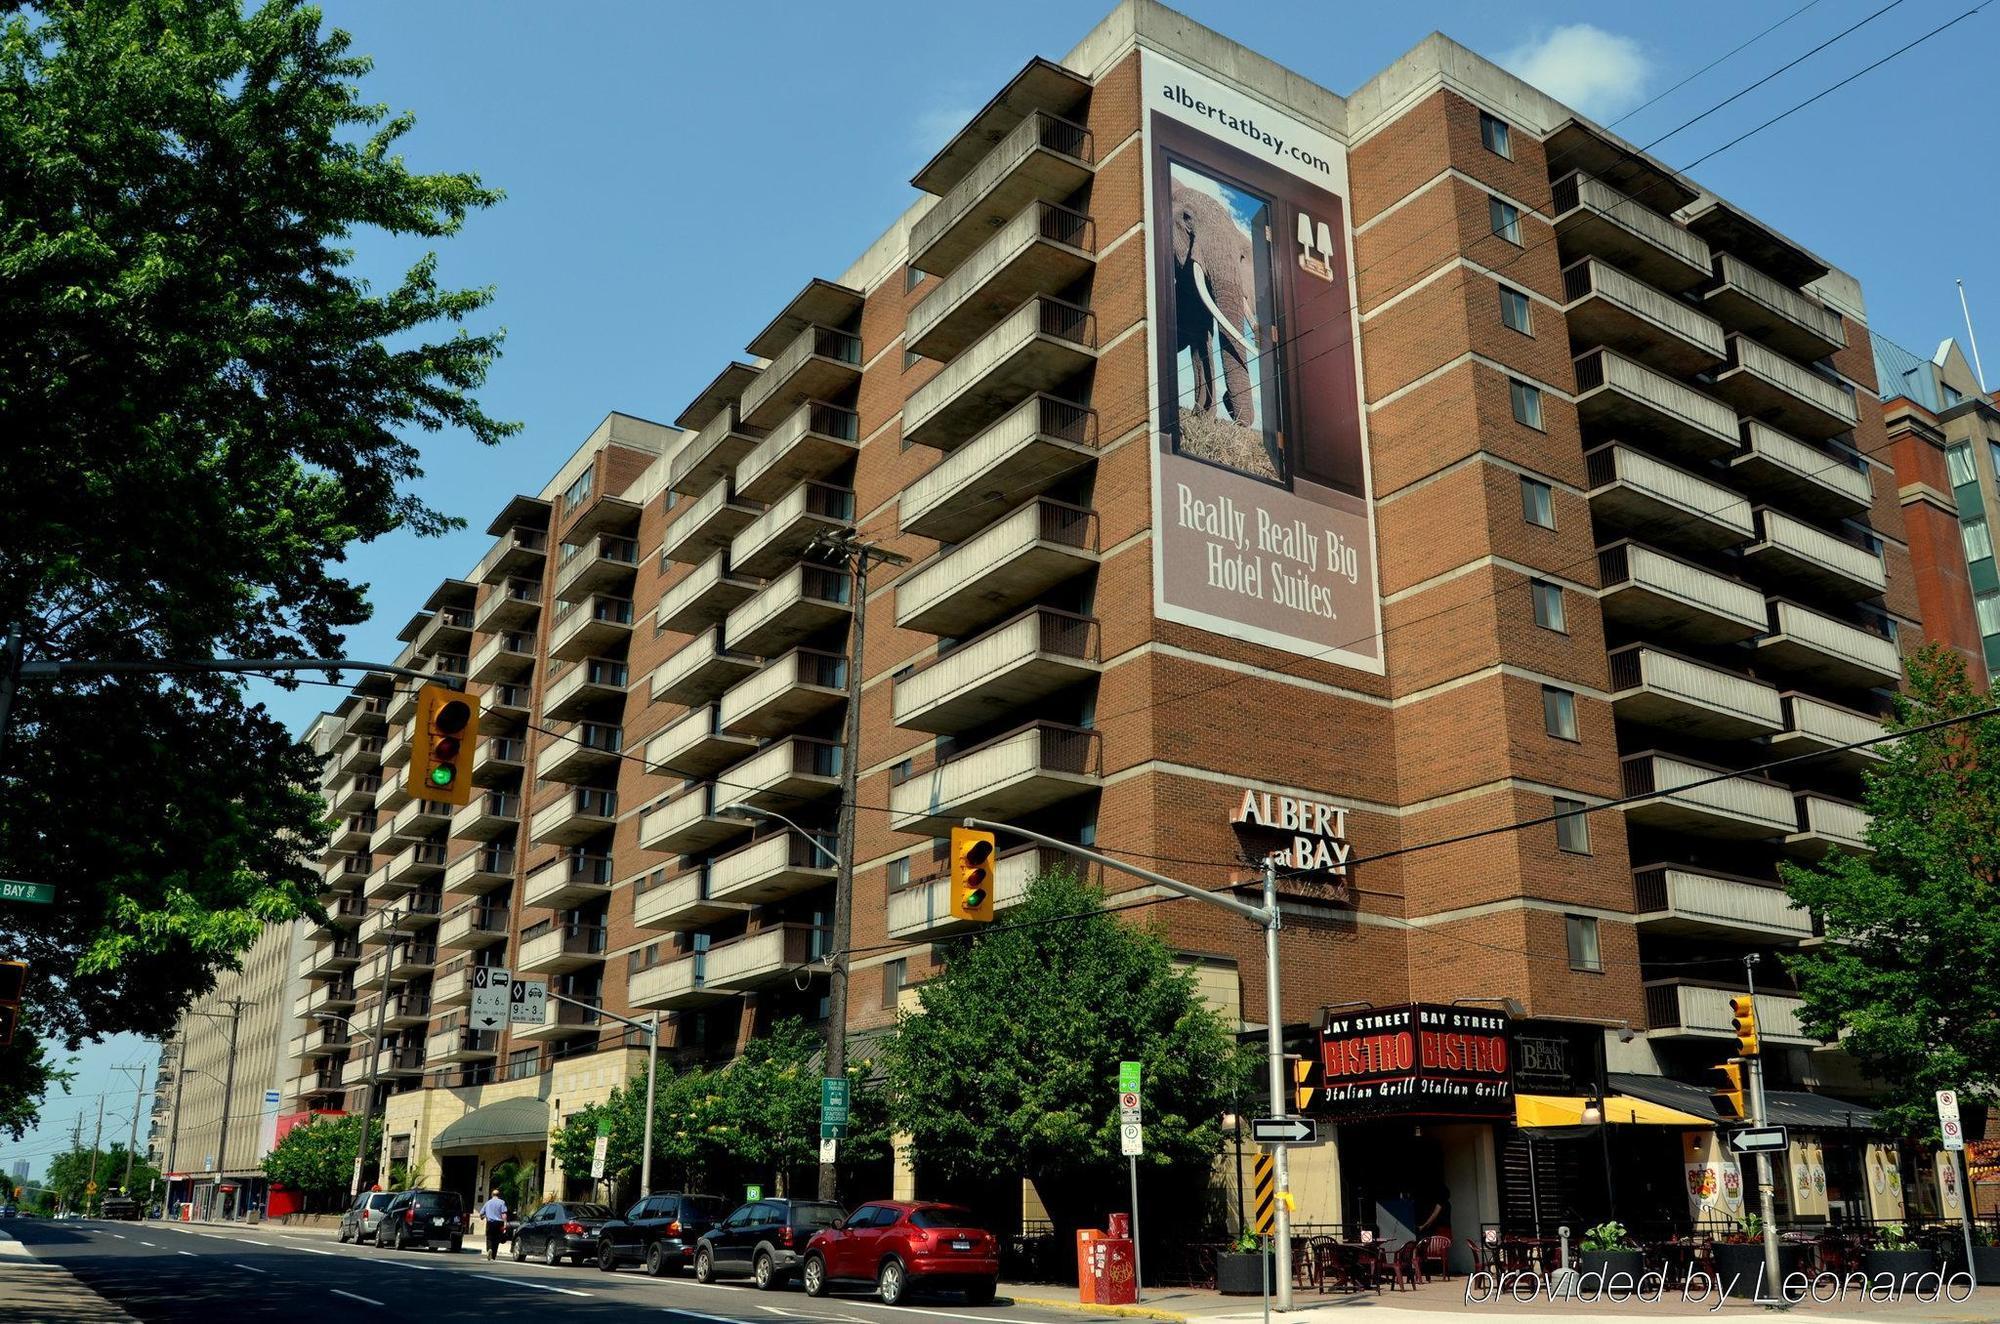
(1608, 1252)
(1241, 1270)
(1739, 1259)
(1895, 1257)
(1985, 1256)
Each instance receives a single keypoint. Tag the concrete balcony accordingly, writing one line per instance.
(389, 1064)
(499, 760)
(584, 687)
(353, 831)
(704, 596)
(1649, 591)
(1038, 347)
(1010, 776)
(1813, 725)
(779, 537)
(575, 818)
(1826, 823)
(695, 745)
(481, 871)
(772, 868)
(604, 513)
(403, 1011)
(416, 864)
(557, 949)
(1763, 383)
(324, 1039)
(403, 702)
(392, 794)
(343, 914)
(334, 996)
(708, 456)
(489, 816)
(604, 564)
(1655, 688)
(448, 631)
(1593, 217)
(1632, 492)
(568, 881)
(1007, 670)
(347, 871)
(1044, 248)
(812, 442)
(923, 909)
(759, 959)
(355, 794)
(819, 364)
(1034, 446)
(511, 604)
(998, 572)
(673, 985)
(504, 708)
(317, 1088)
(419, 820)
(700, 671)
(382, 840)
(518, 551)
(1810, 644)
(408, 961)
(584, 751)
(783, 776)
(1833, 484)
(706, 526)
(680, 904)
(798, 604)
(411, 913)
(329, 958)
(595, 625)
(1683, 1009)
(1043, 158)
(472, 926)
(1748, 300)
(455, 1041)
(367, 718)
(359, 754)
(1795, 554)
(1607, 307)
(790, 690)
(503, 658)
(451, 986)
(1736, 807)
(688, 822)
(395, 755)
(1619, 396)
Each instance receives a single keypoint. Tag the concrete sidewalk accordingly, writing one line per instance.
(34, 1291)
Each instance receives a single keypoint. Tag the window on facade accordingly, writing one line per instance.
(1559, 712)
(894, 973)
(1977, 537)
(578, 493)
(1538, 502)
(1958, 462)
(1515, 312)
(1993, 455)
(1987, 605)
(1548, 605)
(1495, 133)
(1573, 833)
(899, 874)
(1583, 953)
(1951, 397)
(1527, 402)
(1506, 218)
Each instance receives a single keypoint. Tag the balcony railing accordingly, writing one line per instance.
(1826, 823)
(783, 776)
(811, 442)
(1650, 591)
(781, 534)
(1830, 483)
(1043, 157)
(711, 453)
(576, 817)
(559, 949)
(1036, 445)
(703, 596)
(1608, 307)
(1592, 216)
(1794, 552)
(791, 608)
(1812, 644)
(789, 691)
(1631, 490)
(594, 625)
(1681, 1009)
(493, 814)
(764, 957)
(583, 685)
(1010, 668)
(706, 526)
(1038, 347)
(1812, 724)
(480, 871)
(1658, 688)
(695, 745)
(568, 881)
(772, 868)
(581, 752)
(1045, 248)
(671, 984)
(516, 552)
(504, 657)
(687, 822)
(1776, 314)
(508, 605)
(998, 571)
(1686, 797)
(607, 561)
(1616, 392)
(819, 363)
(700, 670)
(1020, 772)
(923, 909)
(1765, 383)
(679, 903)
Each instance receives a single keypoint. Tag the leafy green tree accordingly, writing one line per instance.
(316, 1157)
(71, 1173)
(1008, 1066)
(1911, 973)
(204, 405)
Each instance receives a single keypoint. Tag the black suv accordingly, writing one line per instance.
(120, 1206)
(659, 1232)
(765, 1239)
(423, 1219)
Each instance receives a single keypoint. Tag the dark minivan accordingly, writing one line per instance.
(422, 1219)
(658, 1232)
(765, 1239)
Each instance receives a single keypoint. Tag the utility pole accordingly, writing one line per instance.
(228, 1090)
(1766, 1197)
(846, 545)
(390, 918)
(75, 1144)
(138, 1100)
(96, 1146)
(174, 1127)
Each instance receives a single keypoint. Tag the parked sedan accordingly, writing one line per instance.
(904, 1247)
(659, 1232)
(765, 1239)
(561, 1228)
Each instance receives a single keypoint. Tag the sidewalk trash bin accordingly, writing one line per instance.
(1086, 1284)
(1114, 1278)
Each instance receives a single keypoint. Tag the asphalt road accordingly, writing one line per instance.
(208, 1274)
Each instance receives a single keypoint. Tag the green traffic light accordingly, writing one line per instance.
(975, 899)
(442, 774)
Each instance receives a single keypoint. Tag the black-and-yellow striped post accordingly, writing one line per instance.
(1264, 1196)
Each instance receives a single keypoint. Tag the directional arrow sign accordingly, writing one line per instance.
(490, 988)
(1284, 1130)
(1759, 1139)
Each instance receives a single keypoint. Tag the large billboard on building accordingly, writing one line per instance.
(1262, 523)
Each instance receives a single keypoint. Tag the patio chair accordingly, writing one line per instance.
(1404, 1267)
(1435, 1250)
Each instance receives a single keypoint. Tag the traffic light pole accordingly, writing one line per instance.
(651, 1029)
(1766, 1200)
(1267, 917)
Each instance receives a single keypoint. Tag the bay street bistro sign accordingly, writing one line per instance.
(1418, 1060)
(1308, 838)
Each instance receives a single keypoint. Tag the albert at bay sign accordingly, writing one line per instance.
(1307, 836)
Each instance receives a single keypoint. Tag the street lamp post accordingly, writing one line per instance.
(651, 1029)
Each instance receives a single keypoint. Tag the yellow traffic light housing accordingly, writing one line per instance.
(1728, 1101)
(13, 987)
(1743, 1018)
(441, 740)
(972, 875)
(1302, 1086)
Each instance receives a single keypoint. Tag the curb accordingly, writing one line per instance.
(1127, 1312)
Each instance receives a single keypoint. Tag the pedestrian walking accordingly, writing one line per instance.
(494, 1211)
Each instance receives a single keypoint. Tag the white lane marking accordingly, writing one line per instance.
(253, 1241)
(154, 1245)
(544, 1287)
(355, 1296)
(696, 1314)
(309, 1250)
(251, 1267)
(187, 1252)
(121, 1237)
(952, 1314)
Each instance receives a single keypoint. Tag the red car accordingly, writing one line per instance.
(903, 1247)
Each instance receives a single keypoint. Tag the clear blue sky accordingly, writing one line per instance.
(676, 172)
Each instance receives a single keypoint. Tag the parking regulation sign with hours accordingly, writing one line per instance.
(1131, 1135)
(1949, 1127)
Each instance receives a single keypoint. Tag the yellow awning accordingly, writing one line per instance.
(1566, 1110)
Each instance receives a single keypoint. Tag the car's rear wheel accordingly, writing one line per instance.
(813, 1275)
(656, 1260)
(457, 1245)
(345, 1235)
(764, 1271)
(892, 1282)
(980, 1294)
(704, 1265)
(607, 1258)
(520, 1249)
(552, 1253)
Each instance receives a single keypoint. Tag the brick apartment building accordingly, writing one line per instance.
(1592, 512)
